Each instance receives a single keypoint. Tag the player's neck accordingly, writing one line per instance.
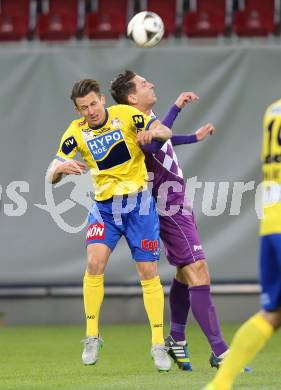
(146, 110)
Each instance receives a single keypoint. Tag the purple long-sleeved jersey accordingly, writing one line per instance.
(165, 167)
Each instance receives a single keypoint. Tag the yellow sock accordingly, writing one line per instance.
(93, 292)
(247, 342)
(153, 297)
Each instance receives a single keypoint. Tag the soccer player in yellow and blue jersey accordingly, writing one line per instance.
(253, 335)
(109, 140)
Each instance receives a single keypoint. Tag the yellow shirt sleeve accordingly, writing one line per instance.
(68, 145)
(140, 121)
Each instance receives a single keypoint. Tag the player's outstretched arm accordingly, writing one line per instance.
(57, 168)
(199, 135)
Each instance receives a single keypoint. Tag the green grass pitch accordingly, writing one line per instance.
(41, 358)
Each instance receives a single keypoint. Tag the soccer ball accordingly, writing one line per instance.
(146, 29)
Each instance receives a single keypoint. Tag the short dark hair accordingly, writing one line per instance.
(83, 87)
(122, 86)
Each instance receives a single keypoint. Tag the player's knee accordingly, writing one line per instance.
(147, 270)
(196, 274)
(95, 264)
(274, 318)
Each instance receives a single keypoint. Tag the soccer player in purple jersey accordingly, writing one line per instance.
(190, 288)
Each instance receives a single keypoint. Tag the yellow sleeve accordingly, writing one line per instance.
(68, 145)
(140, 121)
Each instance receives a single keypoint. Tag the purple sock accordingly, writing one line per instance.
(205, 314)
(179, 308)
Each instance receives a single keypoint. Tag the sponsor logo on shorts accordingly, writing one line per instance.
(91, 317)
(150, 245)
(95, 232)
(157, 325)
(197, 248)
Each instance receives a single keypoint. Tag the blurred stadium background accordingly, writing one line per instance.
(226, 51)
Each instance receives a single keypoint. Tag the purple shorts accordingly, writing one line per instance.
(181, 239)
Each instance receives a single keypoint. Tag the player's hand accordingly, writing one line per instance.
(204, 131)
(71, 167)
(145, 137)
(185, 98)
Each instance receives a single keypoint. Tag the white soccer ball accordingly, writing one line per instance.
(146, 29)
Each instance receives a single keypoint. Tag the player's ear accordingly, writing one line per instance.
(102, 99)
(132, 99)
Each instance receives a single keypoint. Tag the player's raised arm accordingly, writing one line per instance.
(183, 99)
(57, 168)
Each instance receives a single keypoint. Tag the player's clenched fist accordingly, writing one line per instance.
(185, 98)
(145, 137)
(204, 131)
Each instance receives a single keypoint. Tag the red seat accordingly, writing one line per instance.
(214, 5)
(167, 11)
(204, 24)
(257, 19)
(109, 21)
(109, 25)
(60, 23)
(108, 6)
(14, 20)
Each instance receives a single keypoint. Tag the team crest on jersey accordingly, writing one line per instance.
(87, 131)
(109, 150)
(138, 121)
(116, 123)
(82, 123)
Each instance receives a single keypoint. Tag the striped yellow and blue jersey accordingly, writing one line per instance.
(110, 150)
(271, 170)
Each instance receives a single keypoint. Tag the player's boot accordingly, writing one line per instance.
(216, 361)
(179, 353)
(161, 358)
(92, 346)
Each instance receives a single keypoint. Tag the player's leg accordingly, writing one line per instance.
(153, 297)
(93, 285)
(191, 287)
(102, 237)
(142, 235)
(93, 294)
(196, 276)
(179, 309)
(252, 336)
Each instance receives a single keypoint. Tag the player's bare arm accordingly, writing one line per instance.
(204, 131)
(185, 98)
(58, 168)
(157, 131)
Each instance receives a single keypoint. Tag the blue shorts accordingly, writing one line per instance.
(270, 271)
(133, 216)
